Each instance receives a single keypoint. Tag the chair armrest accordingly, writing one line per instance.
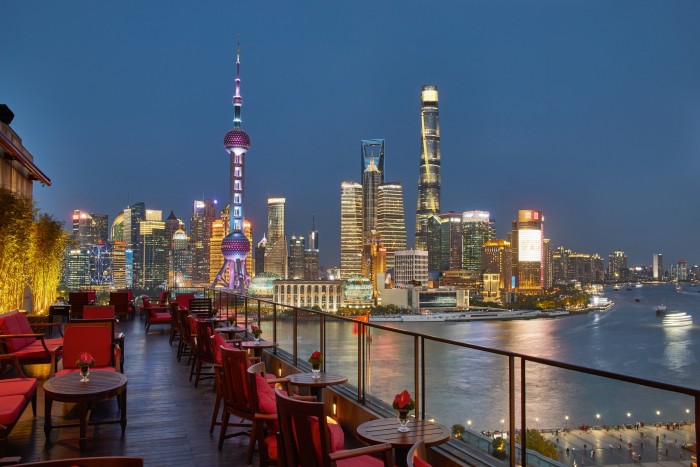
(277, 380)
(305, 398)
(48, 325)
(266, 416)
(365, 451)
(15, 362)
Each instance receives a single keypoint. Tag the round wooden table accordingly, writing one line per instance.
(316, 385)
(68, 388)
(384, 430)
(231, 331)
(258, 346)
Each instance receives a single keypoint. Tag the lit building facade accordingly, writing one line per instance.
(372, 150)
(297, 245)
(276, 250)
(496, 259)
(657, 266)
(617, 266)
(119, 265)
(155, 252)
(216, 258)
(391, 220)
(203, 215)
(327, 295)
(311, 267)
(528, 252)
(351, 239)
(477, 229)
(444, 241)
(181, 260)
(428, 203)
(411, 267)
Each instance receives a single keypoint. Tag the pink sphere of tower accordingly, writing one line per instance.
(236, 141)
(235, 246)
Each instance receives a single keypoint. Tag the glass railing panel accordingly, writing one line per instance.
(390, 365)
(341, 350)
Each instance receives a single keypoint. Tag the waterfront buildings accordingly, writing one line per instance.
(276, 249)
(428, 203)
(411, 267)
(496, 259)
(584, 268)
(617, 266)
(203, 214)
(657, 266)
(391, 220)
(477, 229)
(528, 252)
(326, 295)
(351, 239)
(423, 299)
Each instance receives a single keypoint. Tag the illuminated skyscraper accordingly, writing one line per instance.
(617, 266)
(276, 249)
(180, 260)
(391, 221)
(311, 272)
(203, 214)
(260, 256)
(350, 228)
(429, 173)
(528, 252)
(496, 259)
(154, 253)
(216, 258)
(297, 245)
(172, 225)
(477, 229)
(372, 150)
(133, 215)
(370, 185)
(657, 265)
(444, 241)
(236, 246)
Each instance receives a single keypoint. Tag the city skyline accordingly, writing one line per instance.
(589, 112)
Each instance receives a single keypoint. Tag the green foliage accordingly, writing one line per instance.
(537, 442)
(499, 444)
(457, 430)
(32, 246)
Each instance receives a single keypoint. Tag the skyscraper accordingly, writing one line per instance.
(428, 203)
(133, 215)
(311, 272)
(444, 241)
(617, 266)
(260, 256)
(216, 258)
(477, 229)
(372, 150)
(155, 251)
(181, 260)
(496, 259)
(297, 245)
(350, 228)
(391, 220)
(203, 214)
(276, 249)
(370, 186)
(658, 266)
(236, 246)
(528, 252)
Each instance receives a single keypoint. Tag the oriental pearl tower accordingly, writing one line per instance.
(235, 246)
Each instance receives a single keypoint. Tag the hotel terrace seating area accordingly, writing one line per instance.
(168, 418)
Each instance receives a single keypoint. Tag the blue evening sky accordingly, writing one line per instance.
(586, 110)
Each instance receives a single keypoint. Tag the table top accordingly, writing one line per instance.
(262, 344)
(100, 382)
(324, 379)
(230, 329)
(384, 430)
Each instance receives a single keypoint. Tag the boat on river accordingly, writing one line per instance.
(677, 318)
(661, 310)
(476, 315)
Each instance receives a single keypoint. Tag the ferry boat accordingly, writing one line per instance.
(600, 303)
(661, 310)
(677, 318)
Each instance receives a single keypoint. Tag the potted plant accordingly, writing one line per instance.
(403, 404)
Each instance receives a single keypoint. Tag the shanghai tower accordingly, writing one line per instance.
(429, 173)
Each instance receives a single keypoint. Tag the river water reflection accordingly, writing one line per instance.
(465, 385)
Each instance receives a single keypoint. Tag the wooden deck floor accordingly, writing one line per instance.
(168, 418)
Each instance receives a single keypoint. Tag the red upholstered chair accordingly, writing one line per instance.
(98, 312)
(218, 341)
(306, 439)
(77, 301)
(183, 300)
(187, 336)
(236, 394)
(201, 307)
(15, 395)
(265, 424)
(18, 338)
(95, 337)
(417, 457)
(92, 296)
(156, 314)
(123, 305)
(203, 352)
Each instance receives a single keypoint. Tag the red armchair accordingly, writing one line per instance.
(306, 439)
(15, 395)
(156, 314)
(98, 312)
(77, 301)
(183, 300)
(95, 337)
(18, 338)
(417, 457)
(123, 304)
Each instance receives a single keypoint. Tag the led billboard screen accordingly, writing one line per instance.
(529, 245)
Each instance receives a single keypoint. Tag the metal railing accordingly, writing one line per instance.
(248, 310)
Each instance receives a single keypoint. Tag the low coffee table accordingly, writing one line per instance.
(68, 388)
(316, 385)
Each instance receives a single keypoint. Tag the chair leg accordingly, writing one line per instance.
(254, 436)
(224, 426)
(195, 360)
(217, 404)
(198, 372)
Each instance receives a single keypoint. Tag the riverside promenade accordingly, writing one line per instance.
(625, 446)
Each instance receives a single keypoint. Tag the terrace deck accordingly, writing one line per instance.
(168, 418)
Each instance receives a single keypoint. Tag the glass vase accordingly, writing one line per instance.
(84, 373)
(316, 370)
(256, 338)
(403, 421)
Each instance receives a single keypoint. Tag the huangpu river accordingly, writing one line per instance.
(464, 385)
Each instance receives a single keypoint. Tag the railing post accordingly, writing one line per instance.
(274, 326)
(294, 336)
(511, 407)
(419, 379)
(523, 415)
(360, 362)
(259, 316)
(322, 340)
(697, 430)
